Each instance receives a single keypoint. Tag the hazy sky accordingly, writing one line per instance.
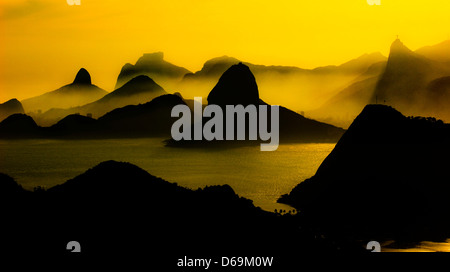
(43, 43)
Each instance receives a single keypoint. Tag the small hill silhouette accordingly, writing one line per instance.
(386, 179)
(10, 107)
(73, 126)
(152, 119)
(19, 126)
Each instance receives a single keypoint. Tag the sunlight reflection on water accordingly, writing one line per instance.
(260, 176)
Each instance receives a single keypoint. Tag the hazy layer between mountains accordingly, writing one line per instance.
(416, 83)
(153, 119)
(413, 82)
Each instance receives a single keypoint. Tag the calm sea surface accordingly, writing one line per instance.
(259, 176)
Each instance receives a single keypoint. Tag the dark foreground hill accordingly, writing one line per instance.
(118, 209)
(387, 178)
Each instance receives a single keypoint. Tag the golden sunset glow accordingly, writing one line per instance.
(45, 42)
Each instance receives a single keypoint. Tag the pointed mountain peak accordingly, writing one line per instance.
(398, 47)
(13, 101)
(83, 77)
(236, 86)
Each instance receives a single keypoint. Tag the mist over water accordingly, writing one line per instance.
(259, 176)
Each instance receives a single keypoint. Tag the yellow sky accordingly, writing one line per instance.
(44, 42)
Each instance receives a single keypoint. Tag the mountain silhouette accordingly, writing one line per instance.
(402, 82)
(79, 92)
(19, 126)
(144, 213)
(73, 126)
(154, 66)
(439, 52)
(82, 77)
(138, 90)
(237, 86)
(10, 107)
(214, 67)
(386, 178)
(294, 87)
(152, 119)
(438, 97)
(341, 109)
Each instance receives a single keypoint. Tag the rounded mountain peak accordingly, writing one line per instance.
(82, 77)
(150, 58)
(236, 86)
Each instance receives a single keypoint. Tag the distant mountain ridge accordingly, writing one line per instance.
(140, 89)
(79, 92)
(217, 66)
(10, 107)
(153, 119)
(154, 66)
(405, 79)
(287, 85)
(439, 52)
(403, 82)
